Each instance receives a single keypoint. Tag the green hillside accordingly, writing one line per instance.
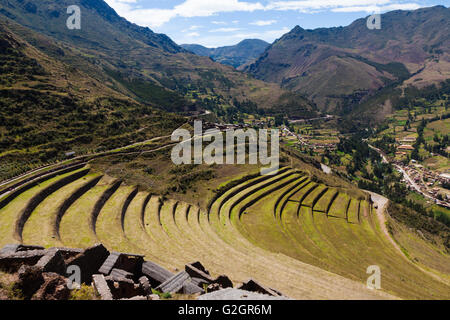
(48, 108)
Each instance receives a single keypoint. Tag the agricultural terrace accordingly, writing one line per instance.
(309, 240)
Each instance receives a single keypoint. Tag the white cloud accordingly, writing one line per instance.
(187, 9)
(310, 6)
(306, 5)
(204, 8)
(262, 23)
(192, 28)
(370, 9)
(225, 30)
(193, 34)
(227, 39)
(118, 1)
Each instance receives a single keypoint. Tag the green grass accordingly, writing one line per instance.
(324, 202)
(353, 211)
(44, 216)
(339, 207)
(84, 293)
(333, 242)
(309, 201)
(75, 230)
(243, 238)
(10, 213)
(441, 214)
(108, 227)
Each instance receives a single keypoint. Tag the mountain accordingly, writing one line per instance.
(338, 68)
(137, 62)
(236, 56)
(48, 107)
(199, 49)
(107, 85)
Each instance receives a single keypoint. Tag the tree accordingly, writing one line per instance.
(279, 120)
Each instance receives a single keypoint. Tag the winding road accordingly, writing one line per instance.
(382, 203)
(407, 177)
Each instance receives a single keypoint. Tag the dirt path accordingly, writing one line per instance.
(326, 168)
(382, 203)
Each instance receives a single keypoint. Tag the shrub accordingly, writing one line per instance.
(84, 293)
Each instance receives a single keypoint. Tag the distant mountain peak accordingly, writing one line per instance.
(101, 25)
(341, 66)
(237, 55)
(297, 28)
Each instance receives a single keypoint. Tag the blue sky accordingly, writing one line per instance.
(214, 23)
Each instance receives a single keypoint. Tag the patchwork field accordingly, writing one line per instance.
(303, 238)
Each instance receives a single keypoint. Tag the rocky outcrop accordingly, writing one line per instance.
(53, 288)
(155, 273)
(42, 274)
(30, 280)
(13, 261)
(253, 286)
(180, 283)
(102, 288)
(126, 262)
(53, 261)
(89, 261)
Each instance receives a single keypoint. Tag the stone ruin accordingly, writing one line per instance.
(43, 275)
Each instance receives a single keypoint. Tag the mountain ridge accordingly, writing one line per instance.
(139, 63)
(48, 107)
(330, 65)
(236, 55)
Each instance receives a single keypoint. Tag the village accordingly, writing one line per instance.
(305, 140)
(426, 182)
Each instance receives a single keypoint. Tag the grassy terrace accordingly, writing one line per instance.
(45, 214)
(340, 206)
(229, 232)
(10, 214)
(311, 199)
(154, 229)
(327, 199)
(39, 172)
(75, 229)
(108, 227)
(332, 242)
(353, 211)
(134, 227)
(263, 228)
(283, 199)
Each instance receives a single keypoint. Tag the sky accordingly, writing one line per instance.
(215, 23)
